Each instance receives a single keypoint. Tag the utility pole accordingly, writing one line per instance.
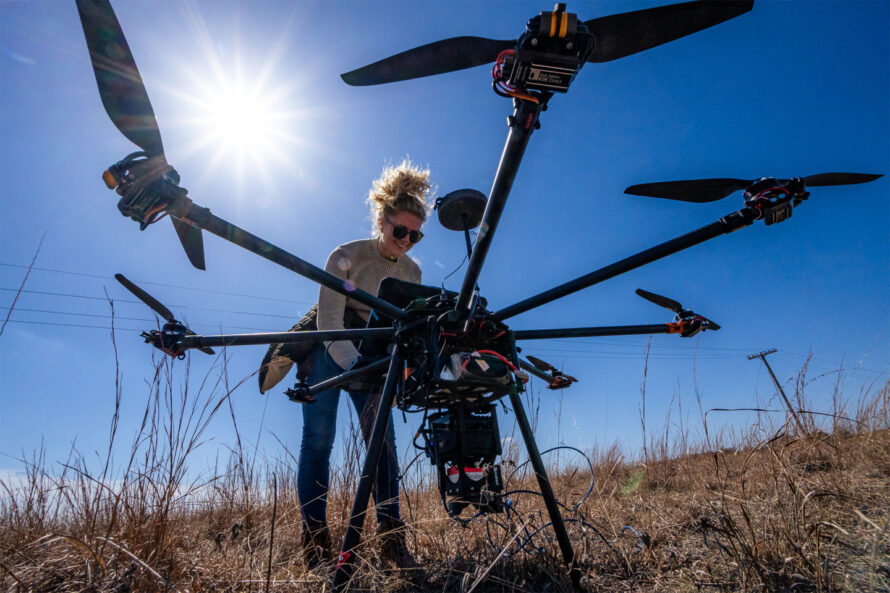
(762, 356)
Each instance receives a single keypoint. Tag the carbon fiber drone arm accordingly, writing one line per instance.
(590, 332)
(305, 393)
(202, 218)
(196, 341)
(727, 224)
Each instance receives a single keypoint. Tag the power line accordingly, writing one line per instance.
(76, 325)
(18, 309)
(815, 361)
(697, 351)
(584, 354)
(567, 340)
(92, 298)
(151, 321)
(207, 290)
(628, 356)
(107, 327)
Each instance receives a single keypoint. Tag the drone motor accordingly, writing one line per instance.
(549, 55)
(168, 339)
(147, 186)
(775, 200)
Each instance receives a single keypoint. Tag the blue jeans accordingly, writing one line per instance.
(319, 428)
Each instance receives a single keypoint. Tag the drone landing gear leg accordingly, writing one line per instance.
(556, 521)
(346, 561)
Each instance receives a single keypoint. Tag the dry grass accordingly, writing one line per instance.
(770, 510)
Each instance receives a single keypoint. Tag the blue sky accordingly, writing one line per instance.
(789, 89)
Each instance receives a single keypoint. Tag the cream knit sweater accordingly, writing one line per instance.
(360, 265)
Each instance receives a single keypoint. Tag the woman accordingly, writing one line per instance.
(398, 201)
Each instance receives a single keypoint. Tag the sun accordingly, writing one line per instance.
(248, 124)
(246, 118)
(242, 122)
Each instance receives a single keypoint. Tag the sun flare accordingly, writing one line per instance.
(244, 123)
(246, 118)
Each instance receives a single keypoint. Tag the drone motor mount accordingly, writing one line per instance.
(169, 339)
(550, 53)
(148, 187)
(775, 200)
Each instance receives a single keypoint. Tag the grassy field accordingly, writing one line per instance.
(788, 507)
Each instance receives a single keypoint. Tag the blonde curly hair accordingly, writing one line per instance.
(404, 188)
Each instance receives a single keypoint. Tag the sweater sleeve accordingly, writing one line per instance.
(332, 308)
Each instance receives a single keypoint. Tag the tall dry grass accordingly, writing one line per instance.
(771, 508)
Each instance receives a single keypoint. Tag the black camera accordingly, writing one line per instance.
(463, 445)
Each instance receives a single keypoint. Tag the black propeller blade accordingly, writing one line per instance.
(711, 190)
(823, 179)
(542, 365)
(676, 307)
(155, 305)
(120, 85)
(126, 100)
(146, 298)
(624, 34)
(699, 190)
(192, 241)
(440, 57)
(661, 301)
(617, 36)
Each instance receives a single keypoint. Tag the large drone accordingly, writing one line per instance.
(440, 352)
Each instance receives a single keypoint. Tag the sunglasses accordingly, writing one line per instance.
(400, 231)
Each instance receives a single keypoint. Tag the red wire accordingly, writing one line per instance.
(769, 189)
(496, 72)
(496, 69)
(501, 356)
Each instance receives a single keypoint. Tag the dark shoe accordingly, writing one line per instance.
(393, 549)
(316, 545)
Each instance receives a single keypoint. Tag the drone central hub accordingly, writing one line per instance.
(455, 370)
(453, 360)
